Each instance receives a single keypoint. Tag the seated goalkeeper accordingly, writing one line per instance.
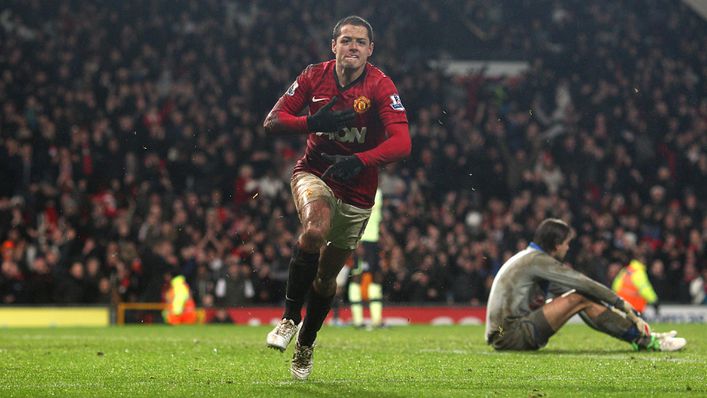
(521, 316)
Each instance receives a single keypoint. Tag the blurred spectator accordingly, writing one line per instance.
(12, 285)
(154, 271)
(657, 277)
(40, 282)
(105, 292)
(221, 316)
(72, 287)
(235, 288)
(695, 284)
(467, 286)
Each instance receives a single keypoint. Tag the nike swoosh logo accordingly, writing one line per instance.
(315, 99)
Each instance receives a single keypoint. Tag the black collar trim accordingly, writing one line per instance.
(348, 86)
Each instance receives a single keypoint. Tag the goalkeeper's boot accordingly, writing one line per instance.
(302, 361)
(671, 343)
(280, 337)
(663, 343)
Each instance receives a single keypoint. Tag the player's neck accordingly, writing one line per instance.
(346, 76)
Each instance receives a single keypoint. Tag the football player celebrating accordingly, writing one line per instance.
(356, 123)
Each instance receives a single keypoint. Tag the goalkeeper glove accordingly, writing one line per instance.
(635, 317)
(327, 121)
(343, 167)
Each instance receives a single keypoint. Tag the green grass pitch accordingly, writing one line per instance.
(413, 361)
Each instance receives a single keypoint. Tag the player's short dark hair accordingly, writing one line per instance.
(354, 20)
(551, 233)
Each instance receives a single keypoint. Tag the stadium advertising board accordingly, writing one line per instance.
(437, 315)
(50, 316)
(443, 315)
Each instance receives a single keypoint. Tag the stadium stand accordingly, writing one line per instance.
(132, 145)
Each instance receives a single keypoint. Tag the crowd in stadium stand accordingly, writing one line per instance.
(132, 145)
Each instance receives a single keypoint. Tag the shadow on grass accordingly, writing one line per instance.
(564, 351)
(337, 389)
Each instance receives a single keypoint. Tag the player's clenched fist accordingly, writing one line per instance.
(343, 168)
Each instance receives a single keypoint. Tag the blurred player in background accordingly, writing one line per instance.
(519, 317)
(356, 123)
(367, 255)
(342, 280)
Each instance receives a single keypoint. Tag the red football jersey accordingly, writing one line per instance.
(375, 99)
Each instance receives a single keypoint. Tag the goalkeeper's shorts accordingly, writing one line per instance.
(530, 332)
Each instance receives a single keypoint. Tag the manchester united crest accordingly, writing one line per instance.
(361, 104)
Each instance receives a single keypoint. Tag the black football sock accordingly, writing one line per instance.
(617, 326)
(302, 270)
(317, 310)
